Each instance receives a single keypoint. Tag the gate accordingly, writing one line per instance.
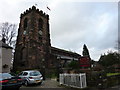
(73, 80)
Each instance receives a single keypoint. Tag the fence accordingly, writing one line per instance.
(73, 80)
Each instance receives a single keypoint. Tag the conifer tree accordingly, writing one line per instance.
(85, 51)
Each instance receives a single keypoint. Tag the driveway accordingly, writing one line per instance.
(54, 85)
(46, 84)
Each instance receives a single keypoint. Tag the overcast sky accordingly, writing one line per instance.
(73, 23)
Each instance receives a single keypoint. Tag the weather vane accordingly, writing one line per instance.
(35, 4)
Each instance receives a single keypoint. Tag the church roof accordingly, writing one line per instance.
(3, 45)
(61, 52)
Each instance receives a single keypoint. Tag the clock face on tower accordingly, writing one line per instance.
(24, 33)
(40, 32)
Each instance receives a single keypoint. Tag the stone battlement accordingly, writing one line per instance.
(36, 10)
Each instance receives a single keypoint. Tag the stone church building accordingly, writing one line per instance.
(33, 46)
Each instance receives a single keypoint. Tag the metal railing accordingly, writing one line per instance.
(73, 80)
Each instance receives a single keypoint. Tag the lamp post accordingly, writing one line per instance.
(58, 67)
(43, 68)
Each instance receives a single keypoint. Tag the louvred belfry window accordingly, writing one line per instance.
(40, 26)
(25, 26)
(25, 23)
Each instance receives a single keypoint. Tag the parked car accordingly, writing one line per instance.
(31, 77)
(7, 81)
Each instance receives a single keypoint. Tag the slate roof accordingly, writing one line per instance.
(3, 45)
(64, 52)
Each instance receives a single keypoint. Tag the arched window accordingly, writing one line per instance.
(23, 56)
(40, 24)
(25, 23)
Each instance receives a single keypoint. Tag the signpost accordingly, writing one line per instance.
(84, 62)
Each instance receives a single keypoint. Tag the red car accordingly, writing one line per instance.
(7, 81)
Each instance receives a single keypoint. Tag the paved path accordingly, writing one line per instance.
(116, 87)
(50, 84)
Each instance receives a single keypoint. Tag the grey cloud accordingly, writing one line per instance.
(75, 25)
(72, 24)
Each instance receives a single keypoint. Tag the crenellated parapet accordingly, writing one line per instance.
(35, 10)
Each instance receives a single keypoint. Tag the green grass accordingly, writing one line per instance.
(112, 74)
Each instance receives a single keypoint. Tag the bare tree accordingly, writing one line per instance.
(8, 32)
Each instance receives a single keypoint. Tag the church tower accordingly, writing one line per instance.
(33, 41)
